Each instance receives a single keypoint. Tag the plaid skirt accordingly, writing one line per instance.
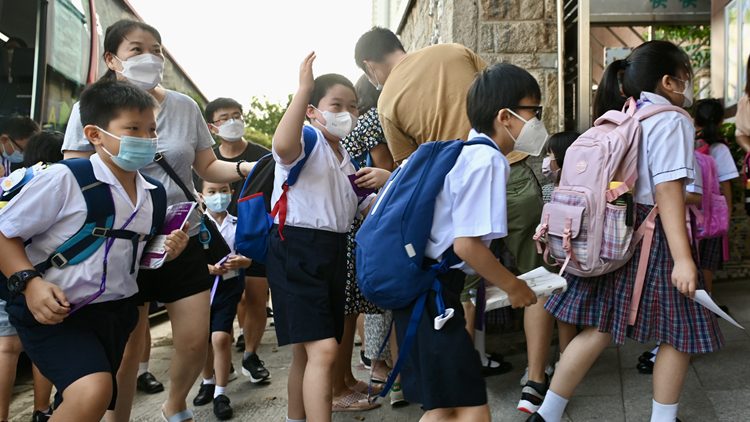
(664, 313)
(711, 253)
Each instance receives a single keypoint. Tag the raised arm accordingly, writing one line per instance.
(286, 140)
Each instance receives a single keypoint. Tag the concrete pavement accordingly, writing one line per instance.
(717, 386)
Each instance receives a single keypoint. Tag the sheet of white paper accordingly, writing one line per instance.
(702, 297)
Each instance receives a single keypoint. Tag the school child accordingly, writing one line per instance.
(43, 147)
(225, 120)
(226, 294)
(708, 117)
(14, 135)
(74, 321)
(657, 72)
(306, 260)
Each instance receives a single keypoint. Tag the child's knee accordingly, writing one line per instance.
(91, 393)
(221, 340)
(10, 345)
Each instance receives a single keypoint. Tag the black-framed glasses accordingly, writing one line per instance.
(537, 110)
(226, 119)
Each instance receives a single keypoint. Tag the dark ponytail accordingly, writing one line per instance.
(708, 114)
(117, 33)
(643, 70)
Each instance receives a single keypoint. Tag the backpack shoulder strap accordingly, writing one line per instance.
(311, 138)
(652, 110)
(159, 200)
(481, 141)
(99, 218)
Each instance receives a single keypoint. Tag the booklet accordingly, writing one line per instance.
(541, 281)
(175, 219)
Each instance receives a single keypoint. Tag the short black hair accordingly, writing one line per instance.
(498, 87)
(220, 104)
(198, 182)
(367, 95)
(325, 82)
(559, 143)
(708, 114)
(117, 33)
(375, 45)
(45, 146)
(102, 102)
(19, 127)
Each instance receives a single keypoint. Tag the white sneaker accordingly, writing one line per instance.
(397, 397)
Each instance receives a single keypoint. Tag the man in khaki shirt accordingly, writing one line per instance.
(423, 100)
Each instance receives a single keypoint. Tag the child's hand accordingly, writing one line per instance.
(236, 262)
(306, 79)
(372, 177)
(46, 301)
(176, 242)
(685, 277)
(521, 295)
(217, 269)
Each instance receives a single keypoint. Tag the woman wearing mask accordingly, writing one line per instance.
(133, 52)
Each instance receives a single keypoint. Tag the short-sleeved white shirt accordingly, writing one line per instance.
(51, 208)
(323, 197)
(472, 202)
(666, 151)
(725, 164)
(182, 132)
(697, 185)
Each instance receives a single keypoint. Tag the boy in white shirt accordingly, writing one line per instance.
(470, 211)
(226, 294)
(74, 320)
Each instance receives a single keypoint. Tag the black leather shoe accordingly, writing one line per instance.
(535, 417)
(148, 384)
(205, 394)
(645, 357)
(504, 367)
(222, 410)
(645, 368)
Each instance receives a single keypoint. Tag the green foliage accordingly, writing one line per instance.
(727, 132)
(257, 137)
(696, 41)
(264, 116)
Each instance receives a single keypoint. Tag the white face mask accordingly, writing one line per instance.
(532, 138)
(338, 124)
(688, 92)
(379, 86)
(232, 130)
(144, 70)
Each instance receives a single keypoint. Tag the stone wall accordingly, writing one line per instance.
(520, 32)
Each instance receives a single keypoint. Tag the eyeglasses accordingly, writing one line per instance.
(537, 110)
(228, 118)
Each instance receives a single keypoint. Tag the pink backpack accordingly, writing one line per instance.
(712, 215)
(588, 231)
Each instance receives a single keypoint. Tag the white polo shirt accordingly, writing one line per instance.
(666, 151)
(322, 198)
(472, 201)
(725, 165)
(51, 208)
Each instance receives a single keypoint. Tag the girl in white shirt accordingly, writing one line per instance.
(657, 72)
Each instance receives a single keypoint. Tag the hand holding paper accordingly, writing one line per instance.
(702, 297)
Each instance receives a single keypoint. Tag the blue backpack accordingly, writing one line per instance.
(392, 240)
(254, 214)
(99, 219)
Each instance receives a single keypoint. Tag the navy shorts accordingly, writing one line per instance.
(307, 276)
(182, 277)
(224, 307)
(88, 341)
(256, 269)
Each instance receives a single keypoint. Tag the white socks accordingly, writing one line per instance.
(242, 331)
(296, 420)
(479, 346)
(663, 412)
(220, 391)
(142, 368)
(553, 407)
(209, 381)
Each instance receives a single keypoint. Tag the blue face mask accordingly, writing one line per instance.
(135, 153)
(15, 157)
(218, 202)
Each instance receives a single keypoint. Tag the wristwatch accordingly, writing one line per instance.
(17, 282)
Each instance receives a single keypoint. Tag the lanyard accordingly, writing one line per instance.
(216, 279)
(107, 245)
